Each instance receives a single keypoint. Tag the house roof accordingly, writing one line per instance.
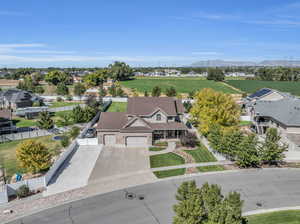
(266, 91)
(112, 120)
(17, 95)
(147, 105)
(286, 111)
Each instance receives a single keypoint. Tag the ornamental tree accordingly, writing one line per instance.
(33, 156)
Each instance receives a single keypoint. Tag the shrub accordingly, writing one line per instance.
(59, 99)
(69, 98)
(65, 141)
(189, 140)
(74, 132)
(23, 191)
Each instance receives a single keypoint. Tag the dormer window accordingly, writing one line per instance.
(158, 117)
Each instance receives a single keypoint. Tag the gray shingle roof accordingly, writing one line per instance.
(17, 95)
(286, 111)
(147, 105)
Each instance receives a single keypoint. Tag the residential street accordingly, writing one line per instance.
(261, 189)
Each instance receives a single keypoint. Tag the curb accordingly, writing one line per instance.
(263, 211)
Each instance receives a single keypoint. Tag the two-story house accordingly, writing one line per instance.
(146, 120)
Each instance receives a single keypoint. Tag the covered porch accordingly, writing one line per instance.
(167, 134)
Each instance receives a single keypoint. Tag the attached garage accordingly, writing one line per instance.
(109, 139)
(136, 141)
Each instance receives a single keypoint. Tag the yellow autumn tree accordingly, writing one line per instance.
(33, 156)
(212, 107)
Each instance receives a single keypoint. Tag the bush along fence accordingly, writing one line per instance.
(40, 183)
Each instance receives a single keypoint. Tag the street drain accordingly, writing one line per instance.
(130, 196)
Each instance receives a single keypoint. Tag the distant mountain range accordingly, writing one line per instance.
(221, 63)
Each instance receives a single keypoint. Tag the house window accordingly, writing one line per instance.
(158, 117)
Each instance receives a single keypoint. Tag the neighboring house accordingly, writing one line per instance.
(16, 98)
(6, 124)
(277, 110)
(147, 119)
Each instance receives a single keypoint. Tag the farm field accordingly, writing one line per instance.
(250, 86)
(182, 85)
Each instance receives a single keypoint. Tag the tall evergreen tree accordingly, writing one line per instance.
(45, 121)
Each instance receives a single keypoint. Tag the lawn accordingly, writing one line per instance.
(245, 123)
(182, 85)
(201, 155)
(210, 168)
(23, 122)
(117, 107)
(8, 149)
(250, 86)
(156, 149)
(169, 173)
(166, 159)
(63, 104)
(283, 217)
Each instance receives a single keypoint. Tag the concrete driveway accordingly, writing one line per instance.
(118, 168)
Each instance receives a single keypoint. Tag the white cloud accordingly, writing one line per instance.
(12, 46)
(205, 53)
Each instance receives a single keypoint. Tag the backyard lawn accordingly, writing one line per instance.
(166, 159)
(62, 104)
(117, 107)
(169, 173)
(250, 86)
(201, 154)
(283, 217)
(8, 153)
(23, 122)
(182, 85)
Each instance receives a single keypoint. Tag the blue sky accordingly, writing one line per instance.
(142, 32)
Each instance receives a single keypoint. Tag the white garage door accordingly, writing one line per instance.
(136, 141)
(109, 139)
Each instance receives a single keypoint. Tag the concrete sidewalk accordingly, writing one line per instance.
(189, 165)
(76, 171)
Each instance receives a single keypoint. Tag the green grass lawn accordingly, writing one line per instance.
(245, 123)
(156, 149)
(169, 173)
(8, 153)
(250, 86)
(283, 217)
(210, 168)
(62, 104)
(166, 159)
(201, 154)
(182, 85)
(23, 122)
(117, 107)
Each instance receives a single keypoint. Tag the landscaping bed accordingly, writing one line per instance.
(156, 149)
(166, 159)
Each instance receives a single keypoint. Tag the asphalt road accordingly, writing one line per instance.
(270, 188)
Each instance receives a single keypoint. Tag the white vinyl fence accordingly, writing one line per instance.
(41, 182)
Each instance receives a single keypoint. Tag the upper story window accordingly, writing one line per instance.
(158, 117)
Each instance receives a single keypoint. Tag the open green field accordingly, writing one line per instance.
(21, 122)
(169, 173)
(117, 107)
(166, 159)
(283, 217)
(182, 85)
(201, 155)
(250, 86)
(8, 153)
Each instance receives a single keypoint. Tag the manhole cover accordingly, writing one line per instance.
(130, 196)
(258, 204)
(141, 197)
